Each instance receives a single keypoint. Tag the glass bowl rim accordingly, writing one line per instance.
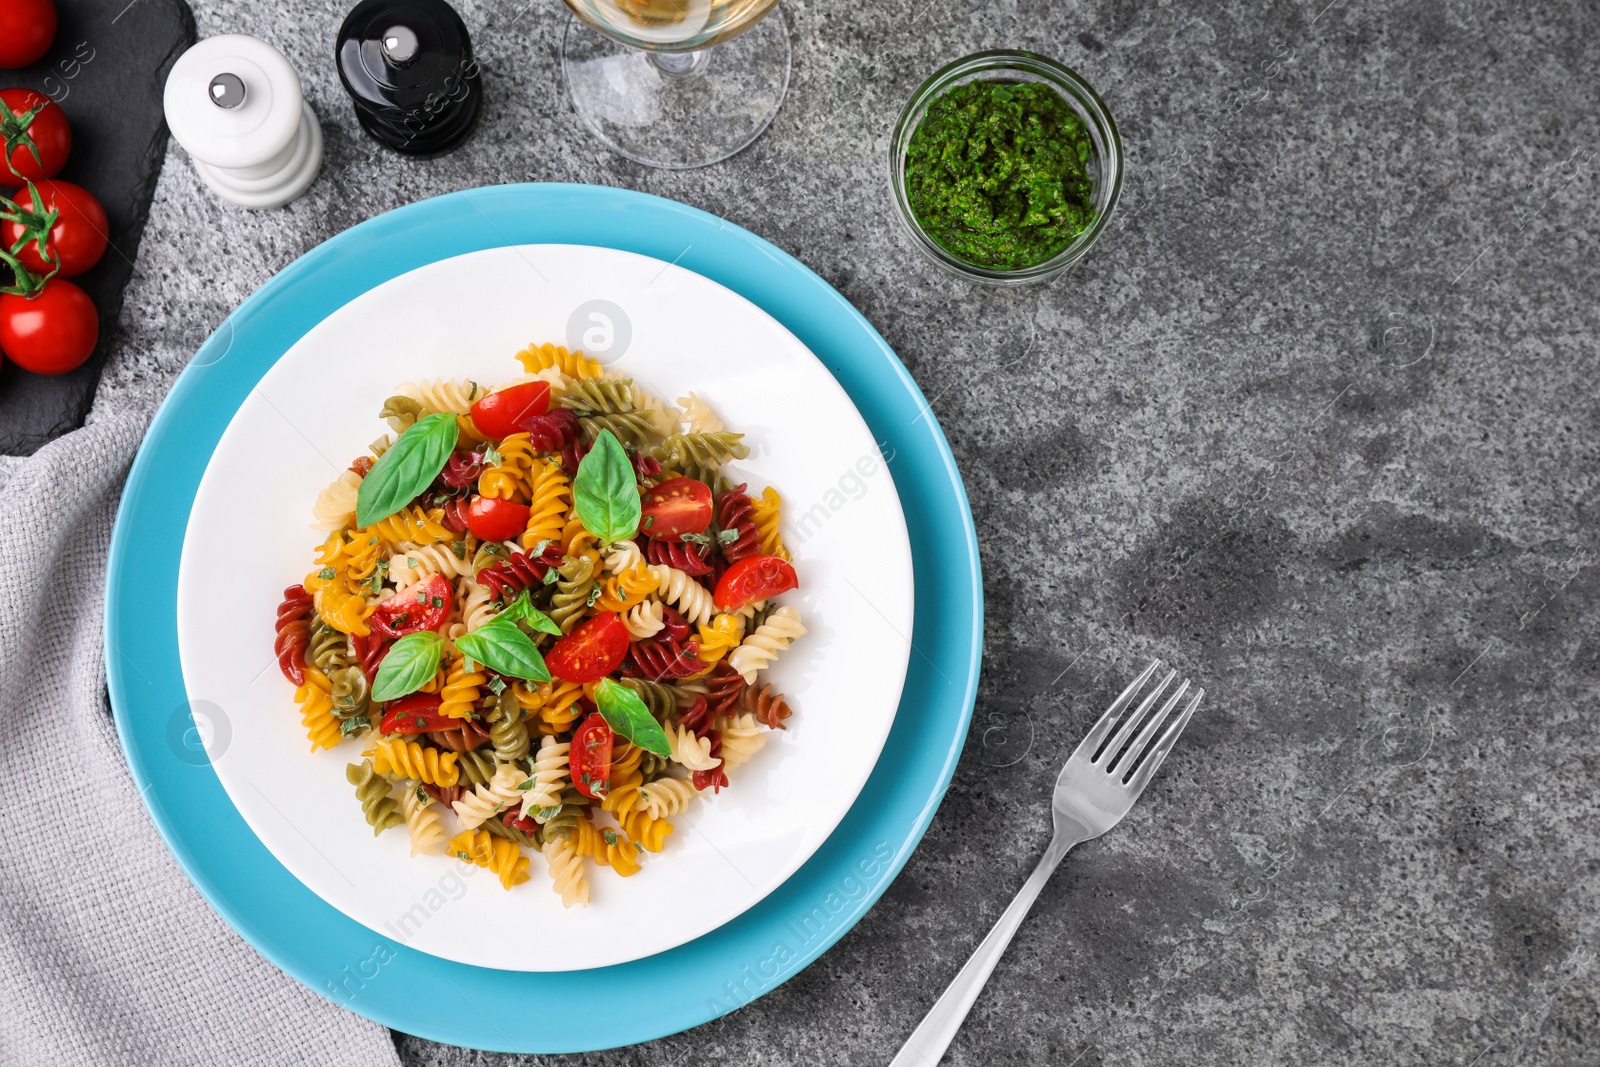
(1084, 99)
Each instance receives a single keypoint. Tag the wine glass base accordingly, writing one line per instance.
(724, 99)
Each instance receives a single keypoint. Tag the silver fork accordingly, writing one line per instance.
(1096, 788)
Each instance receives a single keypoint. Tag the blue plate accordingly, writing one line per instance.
(500, 1010)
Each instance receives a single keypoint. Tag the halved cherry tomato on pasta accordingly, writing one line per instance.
(589, 759)
(496, 520)
(590, 652)
(751, 579)
(497, 414)
(419, 606)
(676, 507)
(416, 714)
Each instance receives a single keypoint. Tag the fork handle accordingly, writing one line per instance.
(928, 1042)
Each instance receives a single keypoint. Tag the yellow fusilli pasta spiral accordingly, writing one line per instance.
(552, 502)
(720, 637)
(359, 558)
(315, 698)
(618, 853)
(408, 759)
(511, 478)
(765, 513)
(460, 692)
(413, 526)
(552, 707)
(667, 796)
(770, 638)
(536, 358)
(622, 795)
(576, 540)
(650, 832)
(504, 858)
(684, 593)
(343, 610)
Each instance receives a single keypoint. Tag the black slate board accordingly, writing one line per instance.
(106, 69)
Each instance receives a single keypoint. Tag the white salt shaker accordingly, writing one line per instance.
(235, 105)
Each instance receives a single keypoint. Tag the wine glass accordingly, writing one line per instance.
(676, 83)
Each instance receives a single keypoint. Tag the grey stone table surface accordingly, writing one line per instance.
(1316, 421)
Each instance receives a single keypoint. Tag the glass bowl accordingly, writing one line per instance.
(1105, 170)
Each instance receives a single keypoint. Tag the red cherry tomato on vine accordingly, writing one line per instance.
(676, 507)
(26, 29)
(52, 332)
(589, 759)
(496, 520)
(751, 579)
(47, 131)
(416, 714)
(78, 237)
(497, 414)
(590, 652)
(419, 606)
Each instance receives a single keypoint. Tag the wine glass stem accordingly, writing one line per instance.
(679, 64)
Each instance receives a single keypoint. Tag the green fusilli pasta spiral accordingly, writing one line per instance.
(329, 650)
(661, 699)
(508, 729)
(476, 767)
(382, 810)
(571, 595)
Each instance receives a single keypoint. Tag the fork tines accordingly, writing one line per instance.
(1125, 755)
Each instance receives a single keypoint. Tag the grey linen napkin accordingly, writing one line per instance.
(107, 954)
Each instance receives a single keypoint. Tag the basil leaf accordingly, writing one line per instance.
(605, 492)
(407, 468)
(408, 665)
(499, 645)
(628, 716)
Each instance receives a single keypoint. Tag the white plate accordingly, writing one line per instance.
(249, 537)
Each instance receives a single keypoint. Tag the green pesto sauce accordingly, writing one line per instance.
(998, 173)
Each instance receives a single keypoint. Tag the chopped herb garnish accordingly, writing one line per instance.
(594, 594)
(727, 537)
(497, 685)
(354, 724)
(459, 548)
(327, 574)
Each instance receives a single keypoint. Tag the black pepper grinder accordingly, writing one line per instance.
(408, 67)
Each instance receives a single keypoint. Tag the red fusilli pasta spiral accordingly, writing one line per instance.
(734, 513)
(716, 777)
(766, 704)
(552, 431)
(462, 469)
(370, 650)
(724, 686)
(362, 465)
(697, 716)
(471, 734)
(517, 571)
(659, 660)
(686, 556)
(294, 633)
(447, 794)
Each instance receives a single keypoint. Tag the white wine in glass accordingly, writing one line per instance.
(676, 83)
